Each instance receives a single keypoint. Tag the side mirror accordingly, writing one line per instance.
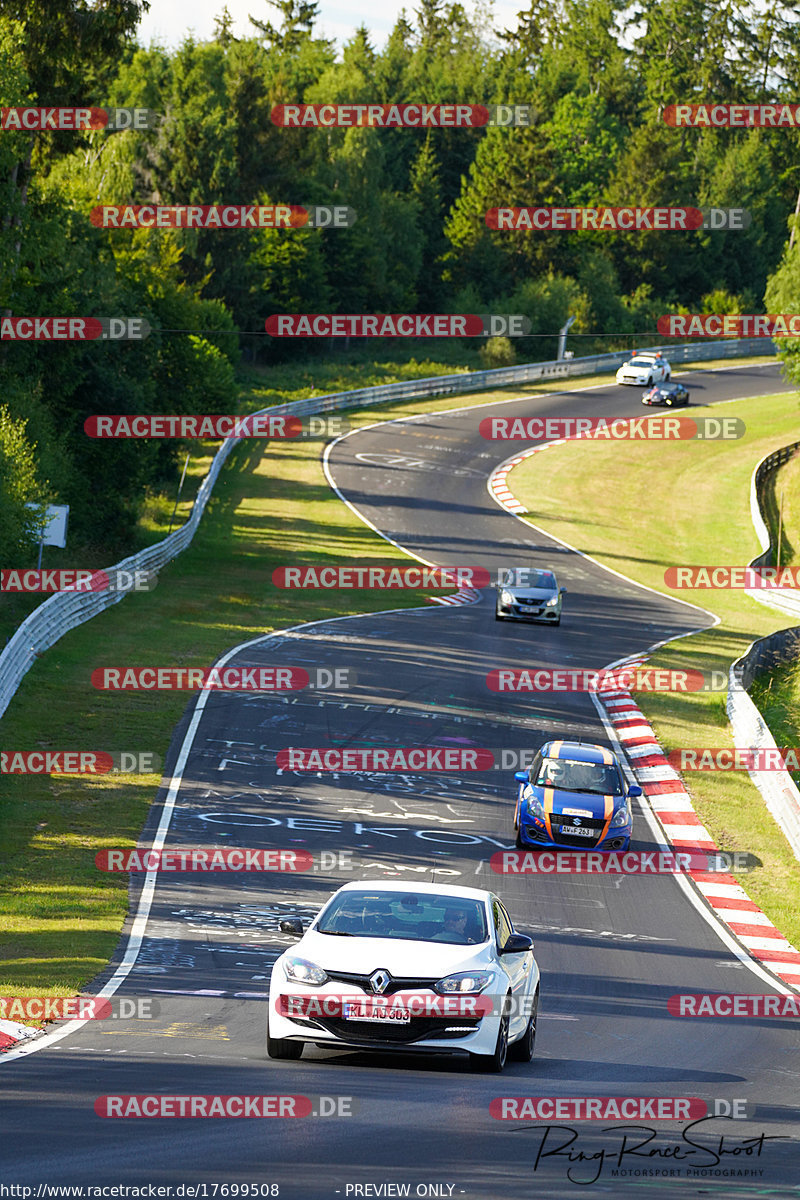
(562, 591)
(292, 926)
(517, 943)
(634, 790)
(521, 776)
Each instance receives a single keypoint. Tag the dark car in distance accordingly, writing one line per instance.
(671, 394)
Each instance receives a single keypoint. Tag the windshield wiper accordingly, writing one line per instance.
(335, 932)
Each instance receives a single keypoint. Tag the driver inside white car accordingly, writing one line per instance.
(454, 927)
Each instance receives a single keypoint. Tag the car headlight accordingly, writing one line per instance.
(552, 602)
(533, 803)
(621, 817)
(300, 970)
(506, 597)
(464, 981)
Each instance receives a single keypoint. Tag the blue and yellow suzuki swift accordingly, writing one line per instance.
(574, 796)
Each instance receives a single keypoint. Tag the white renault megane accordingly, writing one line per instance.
(411, 967)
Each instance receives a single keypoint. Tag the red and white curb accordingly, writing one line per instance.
(670, 803)
(11, 1033)
(464, 596)
(498, 480)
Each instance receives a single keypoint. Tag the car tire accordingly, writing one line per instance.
(493, 1064)
(518, 842)
(522, 1051)
(558, 622)
(498, 616)
(649, 380)
(283, 1047)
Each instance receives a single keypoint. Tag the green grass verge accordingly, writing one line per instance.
(640, 507)
(59, 917)
(777, 693)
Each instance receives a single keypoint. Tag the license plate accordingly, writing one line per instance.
(528, 608)
(386, 1016)
(578, 831)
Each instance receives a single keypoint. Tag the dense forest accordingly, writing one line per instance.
(597, 76)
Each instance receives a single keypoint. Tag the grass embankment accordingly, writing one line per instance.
(261, 387)
(59, 917)
(777, 693)
(645, 506)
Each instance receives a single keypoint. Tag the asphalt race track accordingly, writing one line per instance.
(611, 949)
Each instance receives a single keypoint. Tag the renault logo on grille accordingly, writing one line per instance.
(380, 981)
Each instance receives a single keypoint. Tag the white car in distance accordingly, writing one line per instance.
(413, 967)
(644, 370)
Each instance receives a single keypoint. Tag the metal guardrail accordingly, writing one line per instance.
(750, 730)
(66, 610)
(767, 653)
(763, 470)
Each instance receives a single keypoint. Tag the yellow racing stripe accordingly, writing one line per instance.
(608, 813)
(547, 805)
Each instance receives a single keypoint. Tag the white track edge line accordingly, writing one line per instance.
(138, 928)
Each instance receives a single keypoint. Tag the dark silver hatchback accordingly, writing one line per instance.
(529, 594)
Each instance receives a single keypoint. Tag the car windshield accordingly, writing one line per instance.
(641, 362)
(529, 577)
(568, 775)
(410, 916)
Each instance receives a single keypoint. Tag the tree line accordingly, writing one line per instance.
(597, 76)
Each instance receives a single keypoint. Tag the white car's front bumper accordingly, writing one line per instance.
(640, 380)
(478, 1035)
